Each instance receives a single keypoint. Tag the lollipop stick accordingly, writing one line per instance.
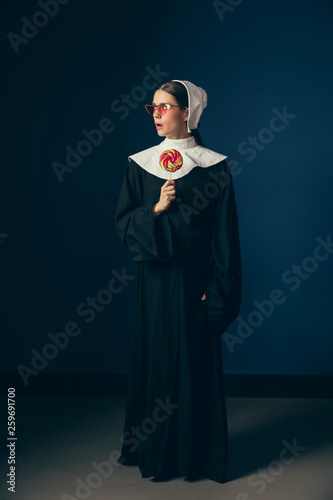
(170, 174)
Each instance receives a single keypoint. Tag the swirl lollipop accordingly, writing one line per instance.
(171, 160)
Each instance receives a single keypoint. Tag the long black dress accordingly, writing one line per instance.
(176, 420)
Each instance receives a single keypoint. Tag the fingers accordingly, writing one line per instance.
(171, 192)
(169, 188)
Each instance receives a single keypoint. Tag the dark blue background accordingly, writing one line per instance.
(59, 244)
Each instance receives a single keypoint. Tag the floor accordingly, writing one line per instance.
(280, 449)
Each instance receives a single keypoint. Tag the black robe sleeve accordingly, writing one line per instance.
(147, 236)
(223, 292)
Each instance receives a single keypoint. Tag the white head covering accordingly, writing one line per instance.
(197, 101)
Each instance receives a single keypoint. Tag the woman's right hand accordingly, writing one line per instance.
(168, 194)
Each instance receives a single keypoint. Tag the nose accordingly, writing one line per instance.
(156, 110)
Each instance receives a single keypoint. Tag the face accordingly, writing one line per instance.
(174, 121)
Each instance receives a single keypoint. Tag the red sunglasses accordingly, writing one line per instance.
(162, 108)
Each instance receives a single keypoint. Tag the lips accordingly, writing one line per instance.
(158, 125)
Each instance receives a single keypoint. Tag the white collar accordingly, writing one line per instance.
(193, 156)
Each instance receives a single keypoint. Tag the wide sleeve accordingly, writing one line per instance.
(146, 236)
(223, 292)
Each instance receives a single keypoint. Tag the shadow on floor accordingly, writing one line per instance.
(259, 428)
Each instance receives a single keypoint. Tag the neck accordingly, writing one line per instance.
(184, 143)
(180, 137)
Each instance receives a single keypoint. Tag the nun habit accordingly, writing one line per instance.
(176, 421)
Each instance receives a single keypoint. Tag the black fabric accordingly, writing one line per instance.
(191, 249)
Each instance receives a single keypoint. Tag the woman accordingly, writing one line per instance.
(183, 233)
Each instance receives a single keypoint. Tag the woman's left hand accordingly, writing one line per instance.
(203, 297)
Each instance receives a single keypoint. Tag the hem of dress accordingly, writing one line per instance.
(178, 471)
(205, 475)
